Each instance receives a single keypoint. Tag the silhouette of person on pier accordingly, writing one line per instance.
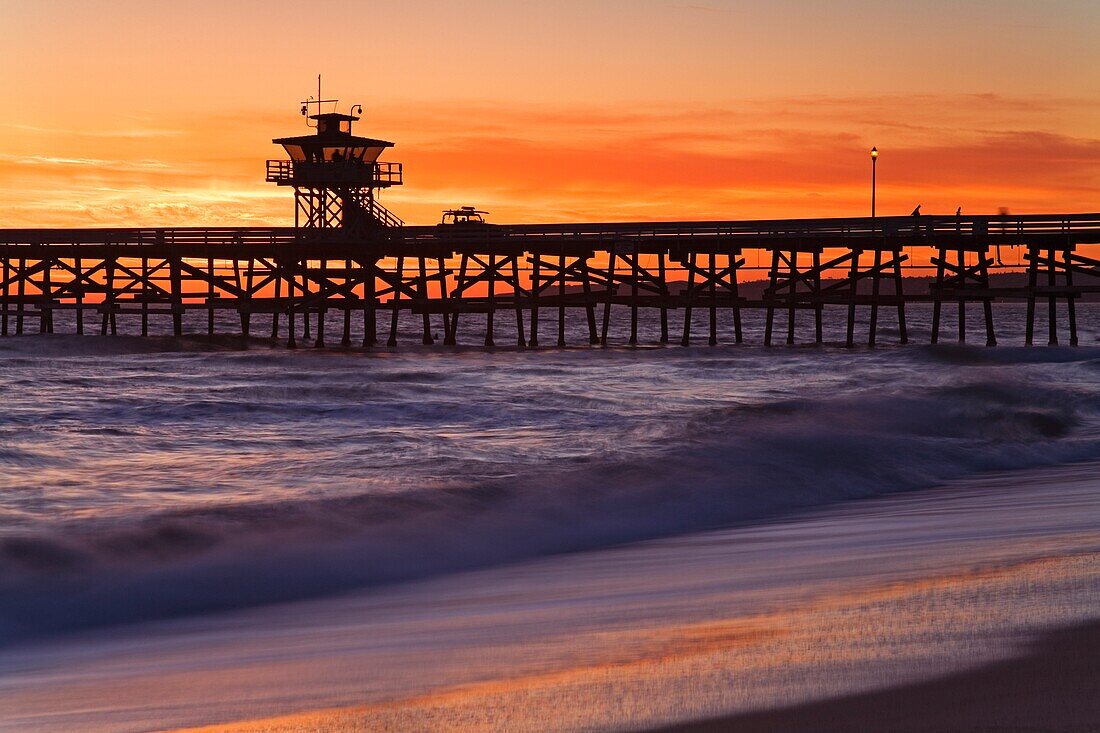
(916, 211)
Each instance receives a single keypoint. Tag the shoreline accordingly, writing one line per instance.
(1054, 687)
(1022, 677)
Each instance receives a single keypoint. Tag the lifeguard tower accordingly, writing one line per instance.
(336, 175)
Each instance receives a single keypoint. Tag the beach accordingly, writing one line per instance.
(520, 541)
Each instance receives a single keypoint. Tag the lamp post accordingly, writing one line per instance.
(875, 161)
(874, 165)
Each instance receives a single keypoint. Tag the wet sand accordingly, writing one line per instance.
(1055, 687)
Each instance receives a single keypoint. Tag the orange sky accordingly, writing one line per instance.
(161, 113)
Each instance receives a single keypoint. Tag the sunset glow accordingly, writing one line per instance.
(587, 111)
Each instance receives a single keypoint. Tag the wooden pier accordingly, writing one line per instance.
(437, 275)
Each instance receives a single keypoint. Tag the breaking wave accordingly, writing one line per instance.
(680, 471)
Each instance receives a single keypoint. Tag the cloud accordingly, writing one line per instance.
(99, 163)
(793, 156)
(133, 133)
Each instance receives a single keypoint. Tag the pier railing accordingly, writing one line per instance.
(840, 230)
(1080, 228)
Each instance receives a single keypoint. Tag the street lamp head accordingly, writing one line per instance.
(874, 153)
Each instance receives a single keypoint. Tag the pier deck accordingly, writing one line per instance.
(294, 276)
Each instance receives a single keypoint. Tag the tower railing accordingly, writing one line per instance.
(336, 172)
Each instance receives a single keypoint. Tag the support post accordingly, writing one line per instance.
(634, 296)
(771, 292)
(536, 286)
(108, 296)
(937, 301)
(609, 293)
(793, 262)
(5, 303)
(303, 288)
(517, 289)
(291, 342)
(460, 284)
(395, 301)
(665, 295)
(899, 291)
(735, 265)
(370, 304)
(175, 277)
(146, 291)
(322, 267)
(1071, 311)
(713, 292)
(245, 307)
(21, 296)
(962, 297)
(589, 304)
(210, 297)
(277, 302)
(422, 290)
(490, 276)
(44, 325)
(1032, 285)
(448, 337)
(689, 297)
(78, 293)
(875, 280)
(818, 305)
(1052, 300)
(853, 294)
(561, 300)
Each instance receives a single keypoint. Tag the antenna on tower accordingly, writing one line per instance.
(318, 100)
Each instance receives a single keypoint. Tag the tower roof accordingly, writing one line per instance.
(330, 138)
(333, 116)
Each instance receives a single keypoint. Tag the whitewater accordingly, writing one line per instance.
(188, 494)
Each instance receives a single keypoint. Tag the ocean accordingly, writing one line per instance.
(174, 481)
